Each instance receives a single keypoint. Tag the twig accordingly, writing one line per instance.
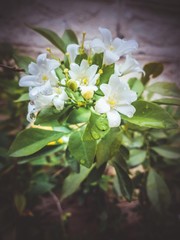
(12, 68)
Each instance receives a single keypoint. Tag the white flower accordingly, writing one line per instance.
(73, 51)
(113, 48)
(130, 65)
(85, 76)
(56, 97)
(117, 99)
(40, 72)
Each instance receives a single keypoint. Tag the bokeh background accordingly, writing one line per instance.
(154, 24)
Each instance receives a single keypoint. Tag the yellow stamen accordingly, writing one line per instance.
(85, 81)
(44, 77)
(100, 71)
(111, 102)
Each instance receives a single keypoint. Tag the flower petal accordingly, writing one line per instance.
(102, 106)
(114, 118)
(58, 103)
(28, 81)
(126, 47)
(72, 49)
(33, 68)
(106, 89)
(127, 110)
(106, 34)
(97, 45)
(110, 57)
(91, 71)
(41, 59)
(52, 64)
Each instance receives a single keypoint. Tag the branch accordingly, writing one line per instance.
(12, 68)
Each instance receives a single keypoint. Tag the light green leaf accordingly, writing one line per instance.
(20, 202)
(165, 89)
(167, 152)
(97, 127)
(79, 115)
(137, 156)
(24, 97)
(125, 183)
(168, 101)
(82, 151)
(108, 146)
(157, 191)
(151, 70)
(107, 72)
(73, 181)
(32, 140)
(69, 37)
(151, 115)
(51, 36)
(136, 85)
(98, 59)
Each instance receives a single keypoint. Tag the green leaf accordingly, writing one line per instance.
(79, 115)
(167, 152)
(107, 72)
(40, 185)
(73, 181)
(82, 151)
(168, 101)
(47, 116)
(51, 36)
(24, 97)
(137, 157)
(59, 73)
(23, 61)
(80, 57)
(69, 37)
(151, 115)
(108, 146)
(32, 140)
(152, 70)
(165, 89)
(157, 191)
(98, 59)
(97, 127)
(136, 85)
(125, 183)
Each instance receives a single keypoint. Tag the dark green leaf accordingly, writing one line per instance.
(82, 151)
(69, 37)
(79, 115)
(51, 36)
(157, 191)
(151, 115)
(32, 140)
(168, 101)
(168, 152)
(125, 182)
(73, 181)
(151, 70)
(98, 59)
(137, 156)
(107, 72)
(23, 61)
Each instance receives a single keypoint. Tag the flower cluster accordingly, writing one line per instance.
(82, 80)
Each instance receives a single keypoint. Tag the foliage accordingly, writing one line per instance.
(64, 149)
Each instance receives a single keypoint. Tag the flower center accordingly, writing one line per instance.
(44, 77)
(111, 102)
(111, 48)
(84, 81)
(58, 90)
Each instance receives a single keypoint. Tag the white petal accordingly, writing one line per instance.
(31, 111)
(84, 66)
(127, 110)
(41, 59)
(102, 106)
(97, 45)
(75, 70)
(114, 118)
(106, 89)
(126, 47)
(72, 49)
(28, 81)
(52, 64)
(33, 68)
(110, 57)
(91, 71)
(106, 34)
(58, 103)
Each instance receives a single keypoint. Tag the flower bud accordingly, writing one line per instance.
(72, 84)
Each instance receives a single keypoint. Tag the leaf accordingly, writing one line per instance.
(79, 115)
(137, 157)
(167, 152)
(51, 36)
(168, 101)
(40, 185)
(157, 191)
(136, 85)
(152, 70)
(59, 73)
(82, 151)
(124, 181)
(97, 127)
(107, 72)
(69, 37)
(108, 146)
(20, 202)
(24, 97)
(98, 59)
(23, 61)
(32, 140)
(151, 115)
(73, 181)
(165, 89)
(47, 116)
